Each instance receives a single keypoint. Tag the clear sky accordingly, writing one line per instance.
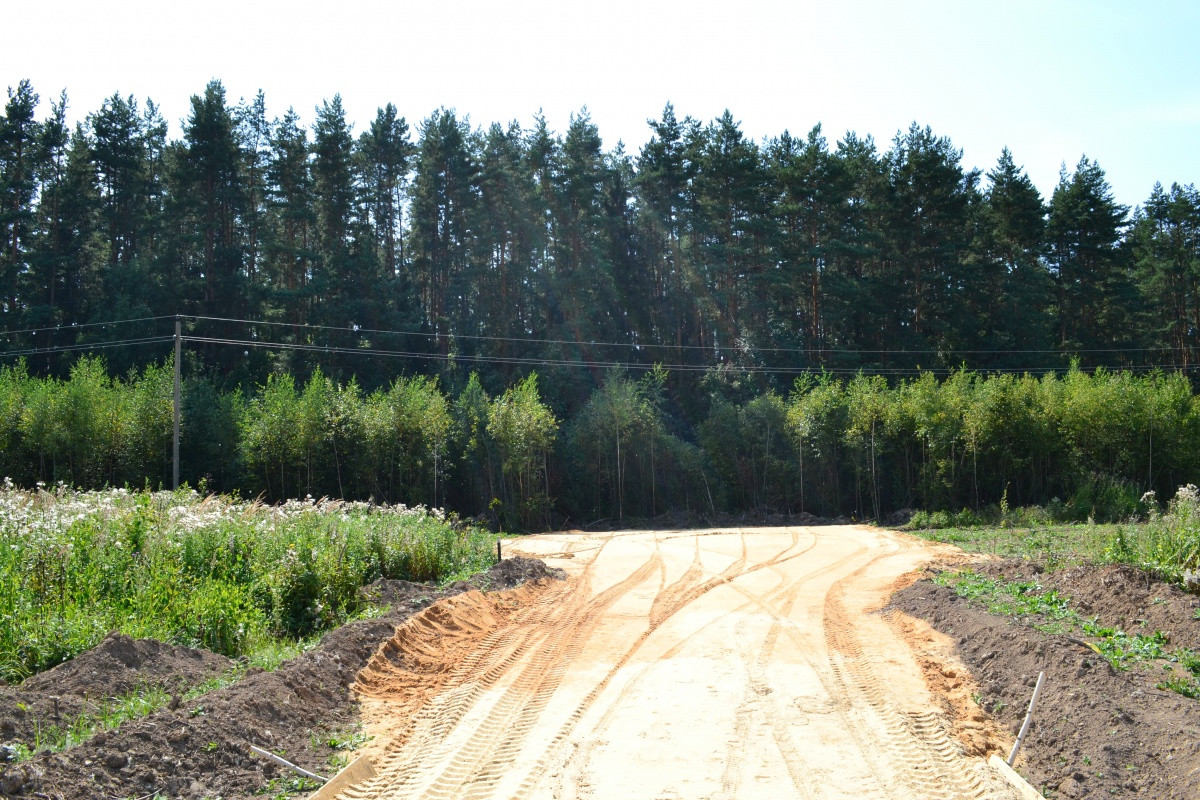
(1052, 80)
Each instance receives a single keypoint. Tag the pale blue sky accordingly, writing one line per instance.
(1117, 81)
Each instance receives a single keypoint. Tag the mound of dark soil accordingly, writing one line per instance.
(117, 666)
(1121, 596)
(510, 573)
(201, 748)
(120, 664)
(1097, 732)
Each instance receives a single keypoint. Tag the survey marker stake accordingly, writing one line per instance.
(1028, 718)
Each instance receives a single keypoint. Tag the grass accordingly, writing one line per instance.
(1056, 545)
(1165, 541)
(1051, 612)
(107, 716)
(239, 578)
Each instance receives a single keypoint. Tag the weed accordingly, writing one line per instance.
(1185, 686)
(283, 788)
(236, 577)
(1053, 614)
(108, 715)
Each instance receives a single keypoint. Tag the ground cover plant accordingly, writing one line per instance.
(1051, 611)
(235, 577)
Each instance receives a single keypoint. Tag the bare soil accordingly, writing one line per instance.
(201, 748)
(719, 663)
(1097, 732)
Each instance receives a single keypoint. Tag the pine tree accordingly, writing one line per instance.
(337, 281)
(730, 236)
(1165, 245)
(1011, 300)
(810, 189)
(384, 155)
(661, 182)
(444, 192)
(1090, 273)
(253, 132)
(290, 245)
(19, 134)
(212, 184)
(929, 202)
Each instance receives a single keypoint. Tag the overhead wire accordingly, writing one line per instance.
(593, 364)
(80, 346)
(78, 325)
(547, 361)
(654, 345)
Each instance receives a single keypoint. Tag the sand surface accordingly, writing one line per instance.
(732, 663)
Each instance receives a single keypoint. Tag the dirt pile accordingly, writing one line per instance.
(303, 711)
(1097, 732)
(120, 664)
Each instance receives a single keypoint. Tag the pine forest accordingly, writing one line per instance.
(533, 327)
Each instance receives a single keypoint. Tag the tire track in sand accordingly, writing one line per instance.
(469, 729)
(411, 768)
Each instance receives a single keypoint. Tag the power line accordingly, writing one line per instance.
(568, 363)
(79, 325)
(68, 348)
(551, 362)
(649, 345)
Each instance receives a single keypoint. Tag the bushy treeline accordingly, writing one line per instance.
(1089, 443)
(511, 242)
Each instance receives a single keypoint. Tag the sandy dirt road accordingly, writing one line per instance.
(699, 664)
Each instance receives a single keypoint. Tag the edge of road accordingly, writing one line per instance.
(358, 770)
(1013, 777)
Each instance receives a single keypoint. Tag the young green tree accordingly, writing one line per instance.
(524, 430)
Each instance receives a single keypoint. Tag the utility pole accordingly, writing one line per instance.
(175, 459)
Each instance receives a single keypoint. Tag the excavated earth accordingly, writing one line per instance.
(200, 749)
(669, 664)
(701, 664)
(1097, 732)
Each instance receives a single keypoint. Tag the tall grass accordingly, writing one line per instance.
(210, 571)
(1167, 543)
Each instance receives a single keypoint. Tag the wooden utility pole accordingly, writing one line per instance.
(175, 459)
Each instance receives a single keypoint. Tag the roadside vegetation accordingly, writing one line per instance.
(1051, 612)
(969, 449)
(1163, 541)
(238, 578)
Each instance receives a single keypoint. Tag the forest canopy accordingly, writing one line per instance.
(304, 249)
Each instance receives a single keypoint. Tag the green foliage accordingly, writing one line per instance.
(204, 571)
(108, 715)
(1119, 648)
(524, 430)
(1168, 543)
(626, 460)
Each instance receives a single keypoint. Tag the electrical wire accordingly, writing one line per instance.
(78, 325)
(593, 364)
(652, 345)
(589, 364)
(69, 348)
